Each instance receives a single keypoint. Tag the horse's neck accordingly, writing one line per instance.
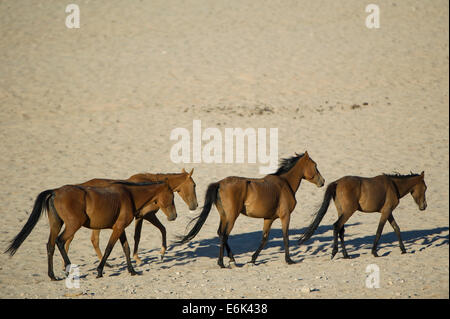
(143, 194)
(294, 176)
(404, 185)
(174, 179)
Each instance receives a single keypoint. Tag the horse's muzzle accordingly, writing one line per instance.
(193, 206)
(320, 183)
(172, 217)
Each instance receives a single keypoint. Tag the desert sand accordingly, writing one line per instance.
(102, 100)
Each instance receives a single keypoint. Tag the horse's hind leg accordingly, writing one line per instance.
(223, 236)
(95, 240)
(66, 248)
(338, 226)
(55, 227)
(342, 230)
(68, 232)
(266, 230)
(126, 250)
(223, 232)
(397, 232)
(341, 236)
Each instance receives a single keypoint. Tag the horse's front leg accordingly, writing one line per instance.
(266, 230)
(151, 217)
(383, 219)
(397, 232)
(285, 219)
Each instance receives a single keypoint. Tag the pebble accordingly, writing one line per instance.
(305, 290)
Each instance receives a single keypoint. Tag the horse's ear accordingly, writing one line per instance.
(306, 155)
(183, 170)
(192, 171)
(422, 174)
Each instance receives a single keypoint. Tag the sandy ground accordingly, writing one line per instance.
(101, 101)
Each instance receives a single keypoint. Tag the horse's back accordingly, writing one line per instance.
(368, 192)
(98, 182)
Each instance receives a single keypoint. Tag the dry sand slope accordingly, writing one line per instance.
(102, 100)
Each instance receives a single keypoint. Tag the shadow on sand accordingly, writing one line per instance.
(414, 240)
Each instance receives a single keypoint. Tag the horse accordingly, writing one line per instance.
(113, 206)
(181, 183)
(376, 194)
(270, 197)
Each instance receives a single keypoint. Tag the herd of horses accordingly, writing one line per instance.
(113, 204)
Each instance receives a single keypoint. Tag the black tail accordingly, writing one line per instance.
(210, 199)
(40, 205)
(329, 194)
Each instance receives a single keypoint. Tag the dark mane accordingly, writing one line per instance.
(287, 163)
(138, 184)
(398, 175)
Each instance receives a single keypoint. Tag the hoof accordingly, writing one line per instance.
(375, 254)
(290, 262)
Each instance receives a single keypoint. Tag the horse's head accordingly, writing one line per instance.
(310, 171)
(187, 190)
(418, 193)
(164, 200)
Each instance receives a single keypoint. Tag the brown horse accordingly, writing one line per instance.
(181, 183)
(113, 206)
(377, 194)
(270, 197)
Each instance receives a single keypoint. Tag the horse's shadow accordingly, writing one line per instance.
(240, 244)
(414, 240)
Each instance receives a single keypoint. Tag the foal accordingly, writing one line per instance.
(113, 206)
(270, 197)
(377, 194)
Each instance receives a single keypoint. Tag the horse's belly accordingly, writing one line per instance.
(97, 223)
(370, 204)
(98, 219)
(259, 210)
